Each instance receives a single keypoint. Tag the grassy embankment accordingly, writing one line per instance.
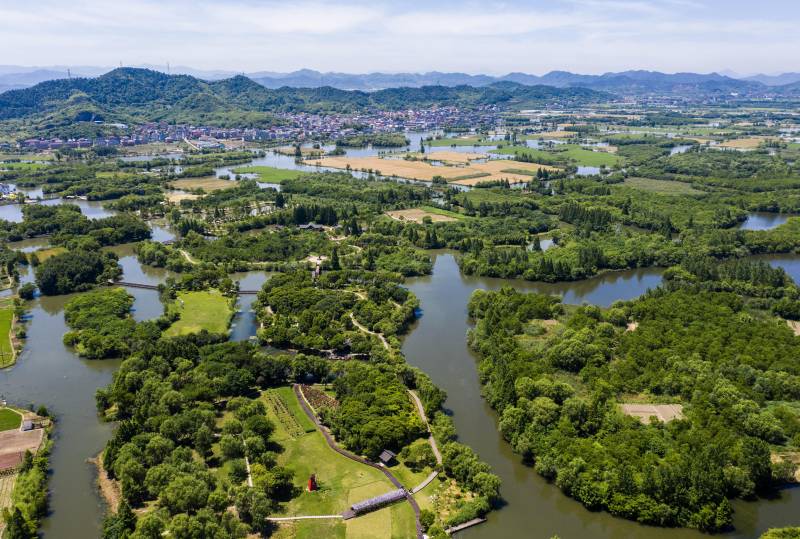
(208, 310)
(7, 354)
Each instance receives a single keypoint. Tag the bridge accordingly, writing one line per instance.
(155, 287)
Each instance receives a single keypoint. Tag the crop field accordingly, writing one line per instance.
(6, 488)
(662, 187)
(449, 157)
(470, 174)
(270, 174)
(277, 402)
(416, 215)
(747, 143)
(208, 310)
(206, 184)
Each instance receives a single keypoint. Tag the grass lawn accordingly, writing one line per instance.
(270, 174)
(6, 349)
(208, 310)
(661, 187)
(44, 254)
(566, 153)
(341, 481)
(9, 419)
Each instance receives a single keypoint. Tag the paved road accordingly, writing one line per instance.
(332, 444)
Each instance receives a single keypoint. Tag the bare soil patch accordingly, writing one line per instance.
(14, 443)
(643, 412)
(795, 325)
(207, 184)
(109, 488)
(747, 143)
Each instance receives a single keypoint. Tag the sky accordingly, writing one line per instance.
(357, 36)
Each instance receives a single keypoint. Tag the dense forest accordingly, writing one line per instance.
(558, 376)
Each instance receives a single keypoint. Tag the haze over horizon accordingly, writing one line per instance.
(355, 36)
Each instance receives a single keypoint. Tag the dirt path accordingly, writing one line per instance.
(421, 412)
(332, 444)
(365, 330)
(188, 257)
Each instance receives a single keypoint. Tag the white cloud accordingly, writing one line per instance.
(361, 35)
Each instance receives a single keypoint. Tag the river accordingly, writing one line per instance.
(47, 372)
(535, 508)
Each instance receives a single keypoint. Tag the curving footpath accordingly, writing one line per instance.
(332, 444)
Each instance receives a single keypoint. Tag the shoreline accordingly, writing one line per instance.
(107, 488)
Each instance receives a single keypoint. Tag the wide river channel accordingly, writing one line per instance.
(49, 373)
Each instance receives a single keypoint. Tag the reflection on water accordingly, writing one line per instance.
(765, 220)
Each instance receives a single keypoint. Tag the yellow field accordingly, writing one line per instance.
(6, 488)
(206, 184)
(748, 143)
(449, 157)
(306, 151)
(417, 215)
(176, 196)
(492, 170)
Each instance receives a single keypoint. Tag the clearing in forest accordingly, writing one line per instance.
(416, 215)
(341, 481)
(661, 187)
(206, 309)
(643, 412)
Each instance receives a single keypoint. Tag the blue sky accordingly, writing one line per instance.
(588, 36)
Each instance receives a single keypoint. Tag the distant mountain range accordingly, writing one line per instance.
(133, 94)
(637, 82)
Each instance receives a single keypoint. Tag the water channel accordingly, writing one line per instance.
(47, 372)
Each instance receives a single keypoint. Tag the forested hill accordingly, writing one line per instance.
(129, 93)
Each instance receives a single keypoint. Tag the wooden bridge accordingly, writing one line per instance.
(155, 287)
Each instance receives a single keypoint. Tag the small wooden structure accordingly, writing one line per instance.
(386, 456)
(312, 483)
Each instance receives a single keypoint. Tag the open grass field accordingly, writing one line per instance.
(461, 141)
(208, 310)
(341, 481)
(7, 354)
(206, 184)
(566, 153)
(9, 419)
(270, 174)
(26, 156)
(662, 187)
(416, 215)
